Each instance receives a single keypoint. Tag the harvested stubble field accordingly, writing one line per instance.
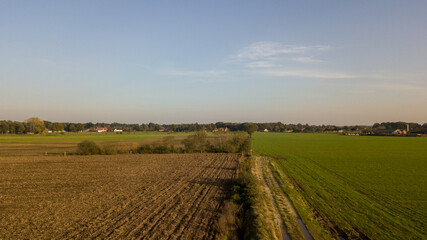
(119, 196)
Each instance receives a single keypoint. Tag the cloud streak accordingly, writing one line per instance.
(209, 73)
(307, 74)
(307, 60)
(263, 50)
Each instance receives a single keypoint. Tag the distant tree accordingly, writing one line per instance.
(308, 129)
(211, 127)
(157, 127)
(57, 127)
(136, 127)
(11, 126)
(355, 128)
(4, 127)
(192, 128)
(172, 128)
(89, 125)
(35, 125)
(19, 127)
(250, 128)
(80, 127)
(220, 125)
(47, 124)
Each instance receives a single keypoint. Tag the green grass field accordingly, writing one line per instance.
(372, 186)
(77, 137)
(17, 145)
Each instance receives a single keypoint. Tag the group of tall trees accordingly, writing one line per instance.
(397, 125)
(36, 125)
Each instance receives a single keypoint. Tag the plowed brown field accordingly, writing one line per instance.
(117, 197)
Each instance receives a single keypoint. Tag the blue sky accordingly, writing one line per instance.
(317, 62)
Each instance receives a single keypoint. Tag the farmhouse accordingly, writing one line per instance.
(390, 132)
(101, 129)
(399, 132)
(419, 131)
(118, 130)
(226, 129)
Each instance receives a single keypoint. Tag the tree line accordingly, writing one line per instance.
(36, 125)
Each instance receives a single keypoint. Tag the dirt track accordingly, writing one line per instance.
(121, 196)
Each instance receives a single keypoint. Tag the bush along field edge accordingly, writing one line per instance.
(246, 214)
(255, 209)
(237, 142)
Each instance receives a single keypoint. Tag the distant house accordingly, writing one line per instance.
(399, 132)
(118, 130)
(101, 129)
(383, 131)
(388, 132)
(221, 130)
(419, 131)
(266, 130)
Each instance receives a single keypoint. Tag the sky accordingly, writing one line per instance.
(316, 62)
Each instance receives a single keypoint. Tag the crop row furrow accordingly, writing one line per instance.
(191, 195)
(158, 200)
(193, 219)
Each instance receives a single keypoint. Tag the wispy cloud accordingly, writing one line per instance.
(260, 64)
(307, 74)
(265, 50)
(209, 73)
(307, 60)
(273, 58)
(275, 54)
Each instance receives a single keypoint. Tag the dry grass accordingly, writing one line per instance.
(118, 196)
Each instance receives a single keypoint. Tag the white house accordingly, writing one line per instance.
(103, 129)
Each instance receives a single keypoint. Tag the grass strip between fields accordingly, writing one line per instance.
(249, 213)
(318, 227)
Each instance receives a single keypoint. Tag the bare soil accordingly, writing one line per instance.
(116, 197)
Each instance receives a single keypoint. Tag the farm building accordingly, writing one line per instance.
(101, 129)
(118, 130)
(399, 132)
(419, 131)
(390, 132)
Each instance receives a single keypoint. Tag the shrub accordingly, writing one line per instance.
(246, 146)
(122, 148)
(161, 149)
(228, 222)
(145, 148)
(134, 148)
(88, 148)
(195, 143)
(109, 149)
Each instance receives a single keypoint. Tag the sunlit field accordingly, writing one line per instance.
(365, 186)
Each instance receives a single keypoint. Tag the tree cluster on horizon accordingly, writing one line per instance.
(37, 126)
